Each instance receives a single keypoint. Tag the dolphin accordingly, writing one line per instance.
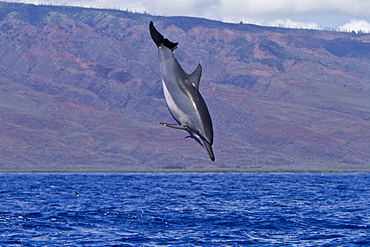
(181, 91)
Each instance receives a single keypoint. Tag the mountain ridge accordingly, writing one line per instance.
(80, 90)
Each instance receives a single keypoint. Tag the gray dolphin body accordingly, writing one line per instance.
(182, 96)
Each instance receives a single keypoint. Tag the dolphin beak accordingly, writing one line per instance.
(208, 147)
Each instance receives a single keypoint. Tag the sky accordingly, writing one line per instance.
(342, 15)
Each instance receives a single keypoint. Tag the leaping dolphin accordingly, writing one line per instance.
(181, 91)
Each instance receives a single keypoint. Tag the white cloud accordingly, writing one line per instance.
(289, 13)
(356, 25)
(274, 9)
(293, 24)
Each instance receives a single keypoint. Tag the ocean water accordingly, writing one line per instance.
(184, 209)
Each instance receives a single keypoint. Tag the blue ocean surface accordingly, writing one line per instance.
(185, 209)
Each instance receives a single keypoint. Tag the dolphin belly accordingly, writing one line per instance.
(180, 116)
(189, 111)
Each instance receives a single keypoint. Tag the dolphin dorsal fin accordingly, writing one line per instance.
(195, 76)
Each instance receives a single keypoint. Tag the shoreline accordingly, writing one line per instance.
(277, 170)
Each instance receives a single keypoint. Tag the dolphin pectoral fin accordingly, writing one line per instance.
(194, 134)
(195, 76)
(175, 126)
(159, 39)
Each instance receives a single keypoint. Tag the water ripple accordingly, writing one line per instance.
(185, 209)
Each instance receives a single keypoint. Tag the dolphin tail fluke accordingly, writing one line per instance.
(208, 147)
(159, 39)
